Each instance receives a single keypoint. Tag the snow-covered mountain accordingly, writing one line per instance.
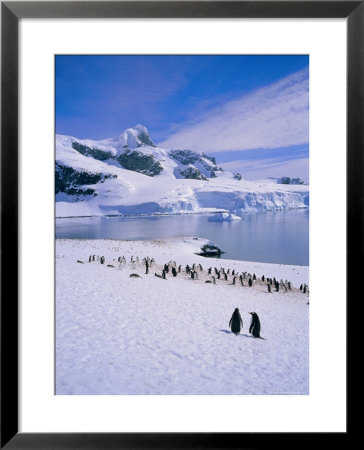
(128, 174)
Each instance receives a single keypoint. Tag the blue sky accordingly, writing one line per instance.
(229, 104)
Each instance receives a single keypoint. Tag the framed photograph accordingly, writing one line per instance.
(179, 221)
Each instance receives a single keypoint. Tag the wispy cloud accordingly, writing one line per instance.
(270, 117)
(274, 167)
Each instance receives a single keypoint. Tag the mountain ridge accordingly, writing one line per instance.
(129, 174)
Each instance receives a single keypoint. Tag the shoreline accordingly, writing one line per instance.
(206, 258)
(184, 213)
(183, 250)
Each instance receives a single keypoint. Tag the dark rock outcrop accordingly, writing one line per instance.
(140, 162)
(94, 152)
(191, 172)
(70, 180)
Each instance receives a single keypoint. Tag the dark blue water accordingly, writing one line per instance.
(280, 237)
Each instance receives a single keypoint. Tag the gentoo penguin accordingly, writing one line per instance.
(102, 259)
(179, 268)
(250, 282)
(263, 279)
(164, 274)
(213, 280)
(254, 328)
(134, 275)
(254, 276)
(174, 272)
(269, 288)
(236, 321)
(90, 259)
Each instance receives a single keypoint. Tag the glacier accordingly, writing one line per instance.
(129, 174)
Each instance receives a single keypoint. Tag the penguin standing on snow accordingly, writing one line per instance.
(235, 322)
(269, 288)
(254, 328)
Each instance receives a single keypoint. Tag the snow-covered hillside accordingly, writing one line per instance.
(128, 174)
(117, 334)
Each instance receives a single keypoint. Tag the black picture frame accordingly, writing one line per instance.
(11, 12)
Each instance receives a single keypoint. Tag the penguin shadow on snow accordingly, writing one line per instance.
(248, 336)
(240, 334)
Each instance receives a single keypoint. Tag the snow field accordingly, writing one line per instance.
(122, 335)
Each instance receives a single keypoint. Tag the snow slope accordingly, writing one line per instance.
(128, 174)
(122, 335)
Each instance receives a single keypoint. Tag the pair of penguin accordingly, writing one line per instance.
(236, 321)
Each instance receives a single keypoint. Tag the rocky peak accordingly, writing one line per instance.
(135, 137)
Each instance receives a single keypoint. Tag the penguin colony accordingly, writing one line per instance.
(212, 275)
